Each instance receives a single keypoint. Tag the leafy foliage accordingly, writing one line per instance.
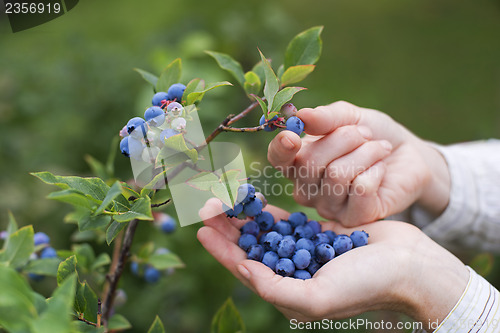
(227, 319)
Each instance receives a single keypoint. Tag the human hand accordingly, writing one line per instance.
(400, 269)
(358, 165)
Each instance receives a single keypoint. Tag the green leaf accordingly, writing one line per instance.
(66, 268)
(140, 210)
(283, 96)
(113, 193)
(227, 63)
(57, 317)
(175, 152)
(81, 327)
(260, 71)
(110, 163)
(118, 322)
(280, 71)
(151, 78)
(225, 192)
(203, 181)
(74, 197)
(94, 187)
(252, 83)
(146, 251)
(261, 104)
(97, 167)
(89, 222)
(39, 302)
(102, 260)
(91, 303)
(272, 85)
(165, 261)
(46, 266)
(192, 86)
(198, 95)
(17, 309)
(146, 190)
(296, 74)
(11, 228)
(305, 48)
(170, 75)
(113, 230)
(19, 247)
(227, 319)
(157, 326)
(85, 256)
(80, 301)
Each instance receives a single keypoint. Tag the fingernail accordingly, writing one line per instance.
(244, 271)
(386, 144)
(287, 143)
(365, 132)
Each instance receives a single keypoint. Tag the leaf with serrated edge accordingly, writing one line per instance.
(283, 96)
(272, 85)
(151, 78)
(202, 181)
(170, 75)
(296, 74)
(227, 63)
(305, 48)
(157, 326)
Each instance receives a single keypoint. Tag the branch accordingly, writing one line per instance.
(114, 277)
(243, 129)
(88, 322)
(161, 203)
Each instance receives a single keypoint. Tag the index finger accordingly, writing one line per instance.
(323, 120)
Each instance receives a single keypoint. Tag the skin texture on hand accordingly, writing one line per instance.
(358, 165)
(400, 269)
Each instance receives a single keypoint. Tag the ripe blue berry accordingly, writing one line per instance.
(176, 91)
(297, 218)
(154, 116)
(303, 231)
(151, 274)
(359, 238)
(134, 267)
(315, 226)
(324, 253)
(131, 147)
(167, 133)
(342, 244)
(246, 192)
(295, 125)
(232, 212)
(166, 223)
(41, 238)
(288, 110)
(251, 227)
(48, 252)
(331, 235)
(158, 97)
(272, 240)
(265, 220)
(253, 208)
(137, 127)
(268, 127)
(262, 238)
(262, 198)
(286, 248)
(313, 266)
(270, 259)
(302, 259)
(302, 274)
(285, 267)
(306, 244)
(320, 238)
(283, 227)
(246, 240)
(255, 252)
(36, 277)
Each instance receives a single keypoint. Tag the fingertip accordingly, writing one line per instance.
(283, 148)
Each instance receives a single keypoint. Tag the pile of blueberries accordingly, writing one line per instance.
(295, 247)
(142, 138)
(43, 250)
(287, 120)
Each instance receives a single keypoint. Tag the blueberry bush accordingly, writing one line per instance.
(107, 211)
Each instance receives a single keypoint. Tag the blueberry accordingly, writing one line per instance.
(253, 207)
(359, 238)
(166, 223)
(255, 252)
(154, 116)
(262, 198)
(290, 237)
(175, 109)
(251, 227)
(124, 146)
(303, 231)
(167, 133)
(131, 147)
(302, 274)
(48, 252)
(232, 212)
(246, 192)
(283, 227)
(315, 226)
(342, 244)
(288, 110)
(265, 220)
(331, 235)
(151, 274)
(324, 253)
(262, 238)
(137, 127)
(286, 248)
(36, 277)
(285, 267)
(176, 91)
(313, 266)
(295, 125)
(269, 127)
(134, 267)
(41, 238)
(306, 244)
(246, 240)
(320, 238)
(270, 259)
(272, 240)
(158, 97)
(297, 218)
(302, 259)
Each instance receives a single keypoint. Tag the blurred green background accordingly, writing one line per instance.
(67, 87)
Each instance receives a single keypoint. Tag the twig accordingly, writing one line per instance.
(86, 321)
(114, 277)
(243, 129)
(243, 113)
(99, 313)
(161, 203)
